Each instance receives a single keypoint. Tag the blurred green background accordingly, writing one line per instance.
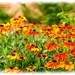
(40, 12)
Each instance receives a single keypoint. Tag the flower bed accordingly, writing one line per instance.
(27, 47)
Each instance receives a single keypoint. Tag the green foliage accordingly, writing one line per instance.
(3, 17)
(65, 19)
(50, 11)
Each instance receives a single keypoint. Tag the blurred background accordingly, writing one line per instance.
(35, 12)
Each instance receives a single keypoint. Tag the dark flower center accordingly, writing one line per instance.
(39, 55)
(21, 57)
(36, 46)
(44, 55)
(32, 45)
(1, 25)
(66, 24)
(60, 51)
(31, 67)
(25, 39)
(13, 54)
(54, 61)
(34, 30)
(69, 40)
(11, 67)
(66, 62)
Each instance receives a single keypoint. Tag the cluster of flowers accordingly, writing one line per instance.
(56, 38)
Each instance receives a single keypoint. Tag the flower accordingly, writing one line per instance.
(67, 65)
(25, 39)
(46, 30)
(33, 32)
(21, 57)
(72, 53)
(29, 46)
(61, 64)
(35, 49)
(12, 56)
(6, 24)
(0, 35)
(69, 44)
(12, 69)
(52, 64)
(61, 56)
(51, 47)
(30, 68)
(44, 55)
(36, 25)
(14, 51)
(66, 28)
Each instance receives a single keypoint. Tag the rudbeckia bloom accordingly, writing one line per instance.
(69, 65)
(33, 33)
(61, 64)
(29, 46)
(61, 56)
(12, 56)
(44, 55)
(46, 29)
(21, 57)
(73, 53)
(12, 69)
(52, 64)
(51, 47)
(35, 49)
(14, 51)
(69, 44)
(66, 27)
(31, 68)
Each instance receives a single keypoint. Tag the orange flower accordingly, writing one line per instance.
(73, 53)
(21, 57)
(14, 51)
(51, 47)
(29, 46)
(12, 69)
(46, 29)
(69, 65)
(30, 68)
(36, 25)
(0, 35)
(44, 55)
(52, 64)
(62, 64)
(66, 27)
(33, 32)
(69, 44)
(61, 56)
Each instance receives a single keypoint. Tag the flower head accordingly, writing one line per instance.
(61, 56)
(52, 64)
(14, 51)
(35, 49)
(12, 56)
(51, 47)
(30, 68)
(21, 57)
(12, 69)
